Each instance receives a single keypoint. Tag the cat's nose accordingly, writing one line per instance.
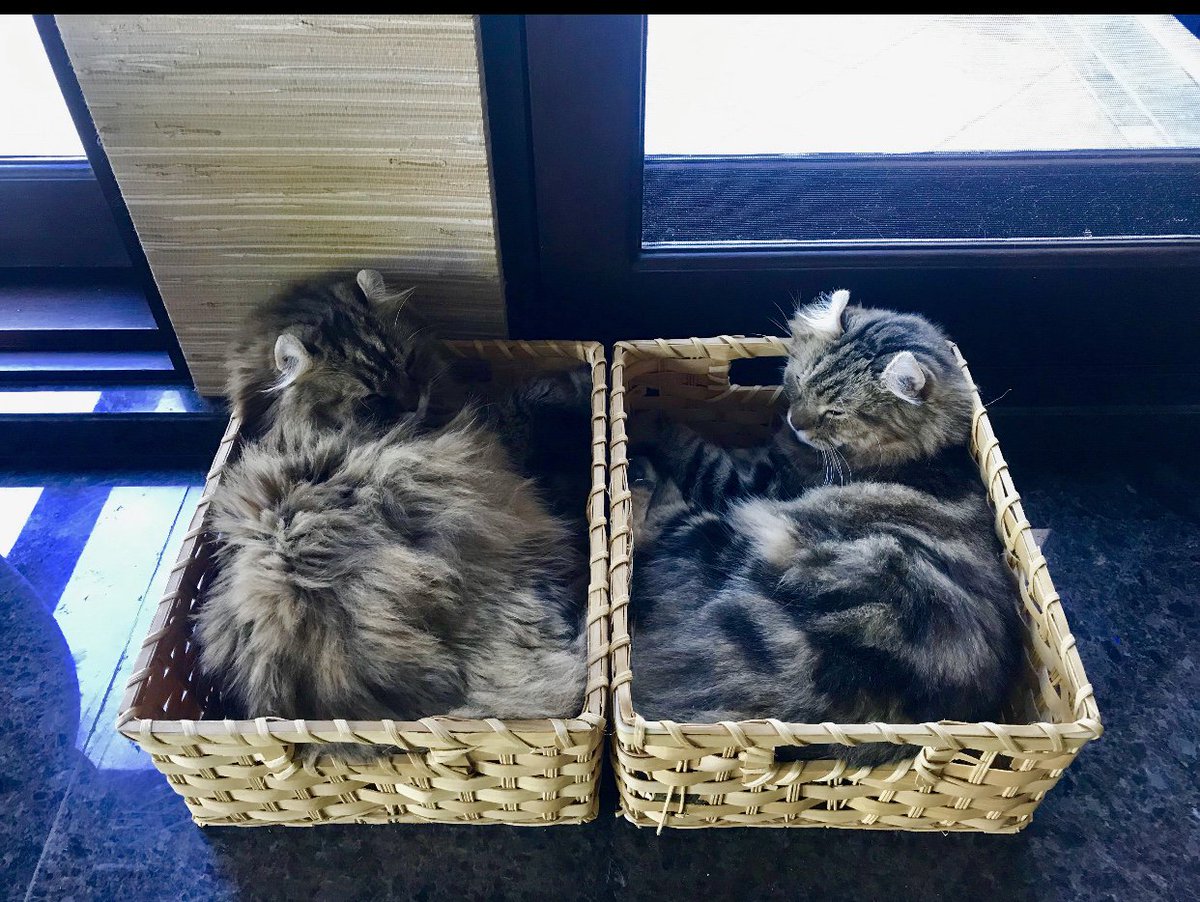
(800, 419)
(801, 434)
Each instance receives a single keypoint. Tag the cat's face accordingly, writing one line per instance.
(874, 385)
(363, 361)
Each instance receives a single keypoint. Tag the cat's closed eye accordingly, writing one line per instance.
(833, 413)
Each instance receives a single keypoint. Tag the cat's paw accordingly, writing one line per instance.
(643, 480)
(581, 387)
(653, 499)
(641, 473)
(569, 390)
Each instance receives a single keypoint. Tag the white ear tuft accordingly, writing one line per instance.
(400, 298)
(371, 283)
(823, 317)
(291, 359)
(905, 378)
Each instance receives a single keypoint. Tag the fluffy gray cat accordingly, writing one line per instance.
(374, 561)
(848, 571)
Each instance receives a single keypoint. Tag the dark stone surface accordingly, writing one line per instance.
(57, 529)
(1124, 822)
(39, 714)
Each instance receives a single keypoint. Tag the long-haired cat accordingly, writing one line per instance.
(374, 564)
(848, 571)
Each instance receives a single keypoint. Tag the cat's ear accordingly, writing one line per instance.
(906, 378)
(822, 318)
(371, 283)
(291, 359)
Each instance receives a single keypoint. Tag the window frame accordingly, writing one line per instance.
(65, 217)
(55, 215)
(586, 274)
(954, 185)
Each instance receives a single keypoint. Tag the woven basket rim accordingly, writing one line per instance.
(630, 727)
(574, 349)
(334, 730)
(453, 731)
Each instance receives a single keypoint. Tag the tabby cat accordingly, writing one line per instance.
(375, 561)
(848, 571)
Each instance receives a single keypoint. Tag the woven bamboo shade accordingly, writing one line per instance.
(254, 150)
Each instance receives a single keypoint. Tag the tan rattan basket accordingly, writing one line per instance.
(452, 771)
(968, 776)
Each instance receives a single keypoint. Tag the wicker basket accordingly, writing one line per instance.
(968, 776)
(452, 771)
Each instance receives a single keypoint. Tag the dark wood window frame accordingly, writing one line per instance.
(1096, 322)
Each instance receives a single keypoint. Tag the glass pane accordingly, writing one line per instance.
(719, 85)
(34, 121)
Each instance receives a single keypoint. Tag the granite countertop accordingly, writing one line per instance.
(86, 817)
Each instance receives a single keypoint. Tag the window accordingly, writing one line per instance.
(722, 85)
(873, 129)
(77, 302)
(36, 120)
(645, 187)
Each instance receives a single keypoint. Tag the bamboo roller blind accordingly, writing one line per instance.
(254, 150)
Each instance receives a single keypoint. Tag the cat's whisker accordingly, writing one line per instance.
(825, 456)
(849, 472)
(833, 466)
(396, 323)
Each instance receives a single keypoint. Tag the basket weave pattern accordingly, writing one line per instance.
(448, 770)
(967, 776)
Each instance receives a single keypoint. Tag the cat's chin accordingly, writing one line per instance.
(802, 437)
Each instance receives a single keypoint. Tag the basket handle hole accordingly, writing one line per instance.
(752, 371)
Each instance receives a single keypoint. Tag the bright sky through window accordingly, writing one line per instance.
(34, 121)
(910, 84)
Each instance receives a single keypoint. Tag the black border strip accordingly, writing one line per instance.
(1052, 203)
(502, 59)
(110, 441)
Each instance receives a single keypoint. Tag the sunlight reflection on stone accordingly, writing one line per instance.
(53, 401)
(16, 504)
